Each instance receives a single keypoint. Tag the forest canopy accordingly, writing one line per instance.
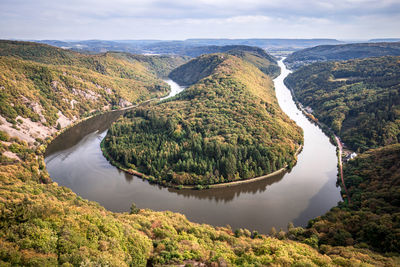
(38, 81)
(358, 99)
(227, 126)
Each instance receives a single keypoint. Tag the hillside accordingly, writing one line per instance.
(371, 220)
(122, 65)
(201, 67)
(259, 58)
(197, 69)
(227, 126)
(254, 55)
(43, 224)
(341, 52)
(44, 88)
(161, 66)
(358, 99)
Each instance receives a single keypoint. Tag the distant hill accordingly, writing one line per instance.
(187, 47)
(384, 40)
(265, 42)
(203, 66)
(341, 52)
(105, 63)
(159, 65)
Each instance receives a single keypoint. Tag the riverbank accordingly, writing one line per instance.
(193, 187)
(53, 137)
(77, 162)
(334, 139)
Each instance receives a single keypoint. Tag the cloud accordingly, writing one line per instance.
(180, 19)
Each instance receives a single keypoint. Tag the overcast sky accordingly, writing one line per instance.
(182, 19)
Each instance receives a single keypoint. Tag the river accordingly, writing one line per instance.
(74, 160)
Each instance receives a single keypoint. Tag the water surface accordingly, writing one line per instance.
(75, 160)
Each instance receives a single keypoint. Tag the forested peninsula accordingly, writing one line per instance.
(44, 224)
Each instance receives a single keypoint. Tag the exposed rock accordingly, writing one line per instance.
(37, 108)
(108, 90)
(106, 107)
(89, 94)
(54, 85)
(27, 131)
(11, 155)
(73, 102)
(124, 103)
(63, 120)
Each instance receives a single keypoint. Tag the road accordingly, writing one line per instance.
(340, 146)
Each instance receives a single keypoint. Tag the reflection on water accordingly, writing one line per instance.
(75, 160)
(74, 135)
(228, 194)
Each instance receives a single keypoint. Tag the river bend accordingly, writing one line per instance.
(74, 160)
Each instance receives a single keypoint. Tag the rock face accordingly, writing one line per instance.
(123, 103)
(25, 129)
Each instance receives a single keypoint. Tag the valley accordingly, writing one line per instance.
(52, 219)
(95, 179)
(363, 110)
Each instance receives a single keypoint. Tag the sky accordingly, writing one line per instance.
(183, 19)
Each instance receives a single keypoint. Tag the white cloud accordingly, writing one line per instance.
(180, 19)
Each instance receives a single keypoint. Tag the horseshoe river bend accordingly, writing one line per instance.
(74, 159)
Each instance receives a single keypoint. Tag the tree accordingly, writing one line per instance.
(134, 209)
(272, 232)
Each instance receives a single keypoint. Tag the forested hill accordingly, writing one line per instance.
(341, 52)
(203, 66)
(161, 65)
(212, 49)
(44, 224)
(197, 69)
(254, 55)
(371, 220)
(101, 62)
(358, 99)
(44, 87)
(227, 126)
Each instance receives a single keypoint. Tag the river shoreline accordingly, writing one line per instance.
(194, 187)
(75, 160)
(52, 137)
(334, 139)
